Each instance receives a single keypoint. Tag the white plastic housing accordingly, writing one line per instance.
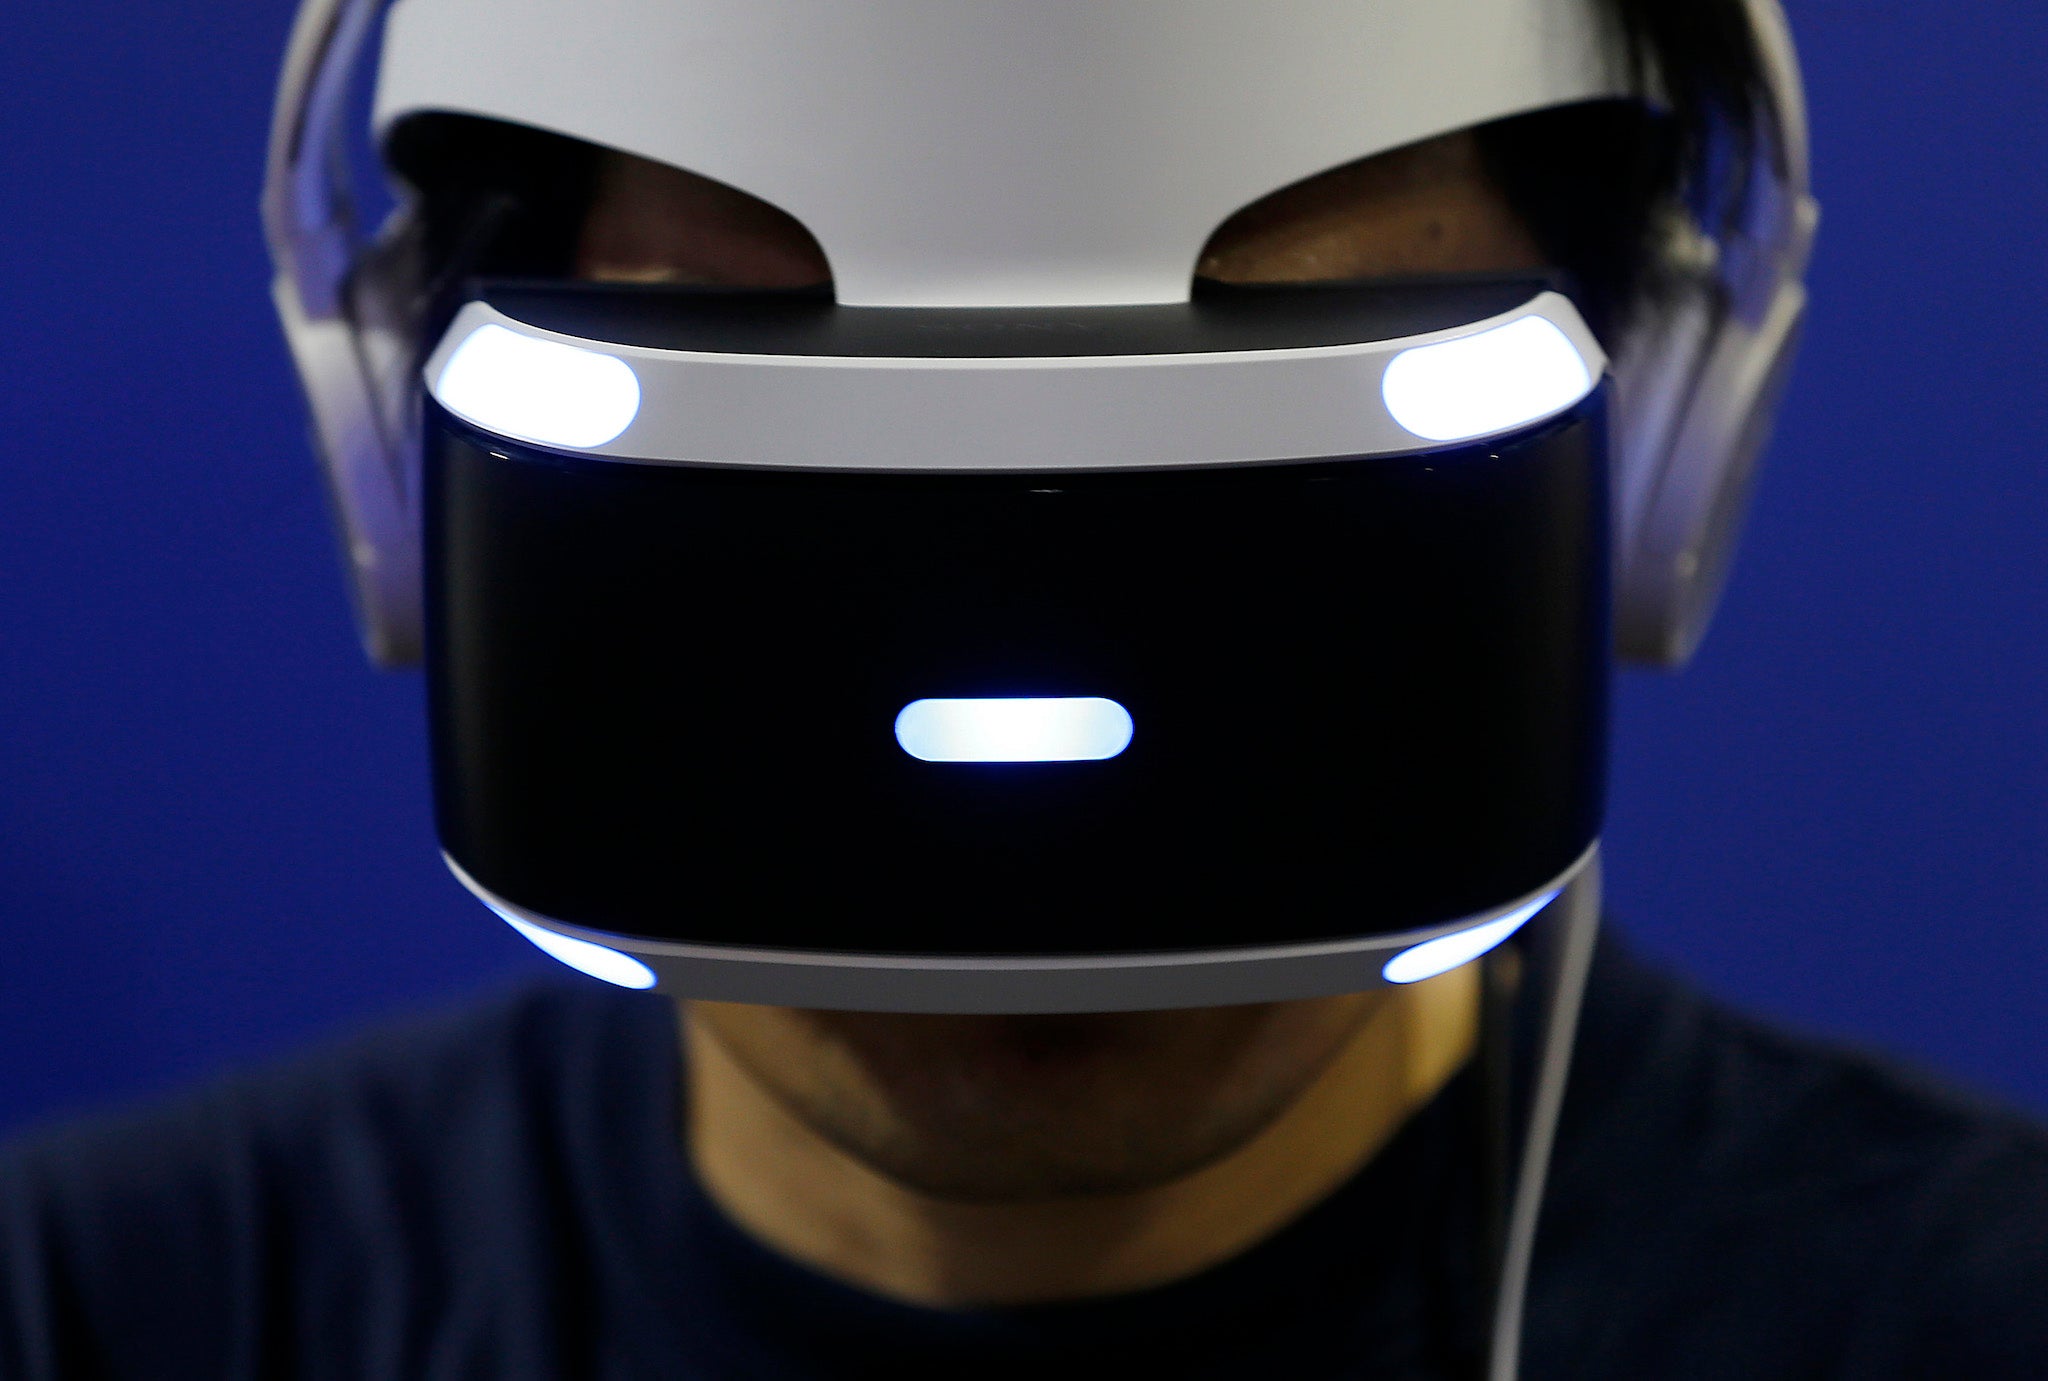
(999, 152)
(1036, 983)
(1058, 413)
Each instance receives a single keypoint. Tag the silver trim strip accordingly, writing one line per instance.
(1096, 412)
(1016, 984)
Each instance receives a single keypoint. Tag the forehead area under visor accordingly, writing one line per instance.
(999, 152)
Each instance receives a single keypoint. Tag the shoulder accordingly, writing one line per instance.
(177, 1228)
(434, 1083)
(1789, 1207)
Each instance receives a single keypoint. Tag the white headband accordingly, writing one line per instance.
(999, 152)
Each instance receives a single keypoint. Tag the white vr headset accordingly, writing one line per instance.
(1019, 628)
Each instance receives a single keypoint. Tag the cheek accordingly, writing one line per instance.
(1264, 1067)
(777, 1046)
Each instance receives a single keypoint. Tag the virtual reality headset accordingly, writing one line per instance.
(1018, 626)
(1273, 616)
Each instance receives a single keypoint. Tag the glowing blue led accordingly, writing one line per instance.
(542, 391)
(595, 960)
(1447, 952)
(1502, 378)
(1035, 729)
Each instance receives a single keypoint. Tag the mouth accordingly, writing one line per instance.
(1016, 1056)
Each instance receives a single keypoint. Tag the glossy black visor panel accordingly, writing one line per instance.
(1367, 695)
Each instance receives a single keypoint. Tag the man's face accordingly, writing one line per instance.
(1020, 1108)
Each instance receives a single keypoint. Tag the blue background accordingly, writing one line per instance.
(214, 835)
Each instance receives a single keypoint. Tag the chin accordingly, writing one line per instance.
(1013, 1108)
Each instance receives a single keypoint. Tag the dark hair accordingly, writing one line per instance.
(1593, 181)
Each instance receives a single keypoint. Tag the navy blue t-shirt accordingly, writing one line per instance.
(502, 1194)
